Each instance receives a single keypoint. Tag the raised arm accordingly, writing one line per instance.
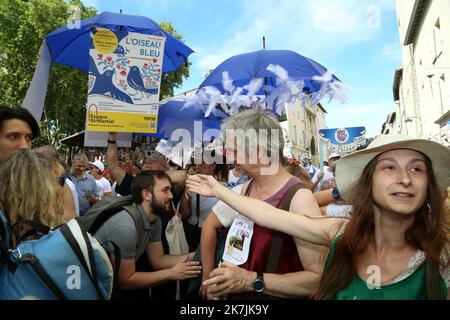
(312, 229)
(112, 157)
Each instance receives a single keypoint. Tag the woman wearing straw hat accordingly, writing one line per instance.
(395, 245)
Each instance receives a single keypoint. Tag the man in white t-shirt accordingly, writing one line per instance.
(104, 187)
(326, 180)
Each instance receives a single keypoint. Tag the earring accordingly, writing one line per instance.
(428, 208)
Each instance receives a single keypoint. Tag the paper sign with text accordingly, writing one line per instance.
(124, 81)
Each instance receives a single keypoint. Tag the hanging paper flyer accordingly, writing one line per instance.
(124, 81)
(237, 244)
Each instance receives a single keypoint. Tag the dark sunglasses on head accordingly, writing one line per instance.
(62, 180)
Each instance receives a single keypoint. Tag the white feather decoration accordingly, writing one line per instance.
(286, 91)
(227, 83)
(254, 86)
(337, 88)
(214, 97)
(279, 71)
(327, 77)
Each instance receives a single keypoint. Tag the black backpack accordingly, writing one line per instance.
(100, 212)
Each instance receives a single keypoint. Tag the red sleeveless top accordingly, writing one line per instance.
(262, 241)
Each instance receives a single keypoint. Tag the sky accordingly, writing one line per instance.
(358, 39)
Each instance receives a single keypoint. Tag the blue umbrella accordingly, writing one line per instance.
(70, 47)
(245, 67)
(172, 117)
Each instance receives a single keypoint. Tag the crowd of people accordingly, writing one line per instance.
(368, 226)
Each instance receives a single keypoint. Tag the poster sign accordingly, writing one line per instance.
(344, 140)
(239, 237)
(124, 81)
(98, 139)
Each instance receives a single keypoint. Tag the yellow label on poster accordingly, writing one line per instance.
(105, 41)
(122, 122)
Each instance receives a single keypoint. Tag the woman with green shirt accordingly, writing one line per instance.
(397, 227)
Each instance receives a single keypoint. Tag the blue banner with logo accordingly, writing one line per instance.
(344, 140)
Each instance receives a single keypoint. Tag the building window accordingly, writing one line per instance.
(437, 40)
(295, 135)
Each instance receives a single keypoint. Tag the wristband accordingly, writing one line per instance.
(335, 193)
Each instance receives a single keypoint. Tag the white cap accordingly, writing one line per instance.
(334, 155)
(99, 165)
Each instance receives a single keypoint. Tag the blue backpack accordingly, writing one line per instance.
(5, 240)
(66, 263)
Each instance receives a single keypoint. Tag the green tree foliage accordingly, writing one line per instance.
(172, 80)
(23, 25)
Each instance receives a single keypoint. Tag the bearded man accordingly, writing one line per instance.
(152, 197)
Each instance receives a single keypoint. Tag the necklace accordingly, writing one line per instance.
(393, 278)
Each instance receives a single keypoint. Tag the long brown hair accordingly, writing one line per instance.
(426, 233)
(30, 190)
(221, 171)
(301, 173)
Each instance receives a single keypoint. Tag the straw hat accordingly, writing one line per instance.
(350, 167)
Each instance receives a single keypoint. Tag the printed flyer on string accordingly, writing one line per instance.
(124, 81)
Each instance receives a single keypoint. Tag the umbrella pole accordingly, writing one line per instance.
(265, 91)
(265, 78)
